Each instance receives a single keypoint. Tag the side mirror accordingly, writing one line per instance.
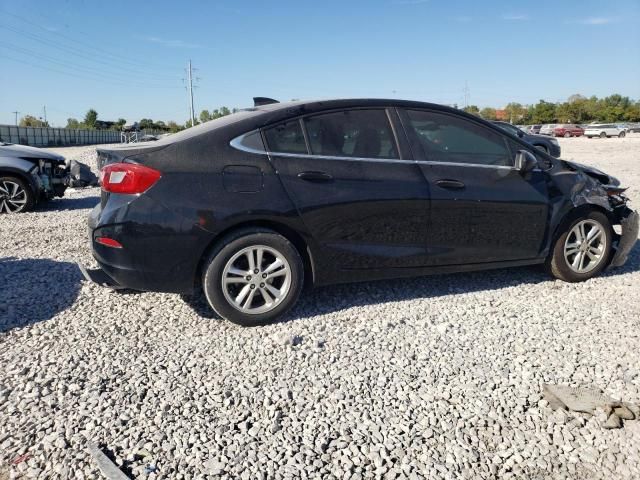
(520, 133)
(525, 161)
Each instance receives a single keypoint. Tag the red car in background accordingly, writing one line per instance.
(568, 130)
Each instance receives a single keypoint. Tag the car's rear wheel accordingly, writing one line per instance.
(15, 195)
(567, 134)
(621, 135)
(253, 277)
(603, 135)
(583, 249)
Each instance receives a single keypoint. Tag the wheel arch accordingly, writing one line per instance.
(298, 241)
(25, 177)
(578, 212)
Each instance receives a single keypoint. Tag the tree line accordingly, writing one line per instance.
(577, 109)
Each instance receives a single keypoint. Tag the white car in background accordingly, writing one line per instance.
(547, 129)
(604, 130)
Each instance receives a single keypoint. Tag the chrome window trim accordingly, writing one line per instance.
(387, 160)
(237, 143)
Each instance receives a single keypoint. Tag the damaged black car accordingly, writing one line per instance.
(251, 207)
(30, 175)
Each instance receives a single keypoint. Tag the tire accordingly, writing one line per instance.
(563, 265)
(232, 257)
(621, 135)
(603, 135)
(543, 148)
(567, 134)
(15, 195)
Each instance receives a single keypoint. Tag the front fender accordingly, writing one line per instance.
(21, 168)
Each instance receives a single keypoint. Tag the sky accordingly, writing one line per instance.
(128, 59)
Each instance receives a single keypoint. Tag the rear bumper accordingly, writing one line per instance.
(160, 250)
(630, 225)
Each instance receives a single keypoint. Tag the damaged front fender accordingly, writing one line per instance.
(572, 187)
(627, 239)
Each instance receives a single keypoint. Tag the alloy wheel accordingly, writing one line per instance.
(256, 279)
(13, 197)
(585, 246)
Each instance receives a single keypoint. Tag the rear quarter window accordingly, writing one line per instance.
(286, 137)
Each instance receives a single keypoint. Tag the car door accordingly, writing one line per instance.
(364, 202)
(482, 208)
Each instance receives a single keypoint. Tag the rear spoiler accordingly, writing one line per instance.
(259, 101)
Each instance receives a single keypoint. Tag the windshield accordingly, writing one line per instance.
(510, 128)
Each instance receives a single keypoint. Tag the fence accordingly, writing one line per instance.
(57, 137)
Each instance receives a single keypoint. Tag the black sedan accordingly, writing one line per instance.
(251, 206)
(545, 143)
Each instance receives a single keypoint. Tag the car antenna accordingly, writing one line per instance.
(259, 101)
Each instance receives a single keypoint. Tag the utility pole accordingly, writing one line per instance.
(466, 94)
(16, 114)
(190, 80)
(44, 109)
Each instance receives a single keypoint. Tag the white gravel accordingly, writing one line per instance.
(437, 377)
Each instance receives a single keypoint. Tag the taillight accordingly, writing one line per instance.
(128, 178)
(109, 242)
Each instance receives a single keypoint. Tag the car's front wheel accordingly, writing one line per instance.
(567, 134)
(253, 277)
(582, 250)
(15, 195)
(603, 135)
(621, 134)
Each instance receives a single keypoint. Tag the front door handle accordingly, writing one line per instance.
(450, 184)
(315, 176)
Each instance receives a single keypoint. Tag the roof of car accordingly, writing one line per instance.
(274, 112)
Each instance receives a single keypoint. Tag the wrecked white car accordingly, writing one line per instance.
(30, 175)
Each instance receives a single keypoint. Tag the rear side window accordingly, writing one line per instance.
(352, 133)
(451, 139)
(286, 138)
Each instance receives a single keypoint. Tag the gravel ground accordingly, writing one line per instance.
(436, 377)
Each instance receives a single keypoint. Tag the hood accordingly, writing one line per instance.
(593, 172)
(533, 136)
(23, 151)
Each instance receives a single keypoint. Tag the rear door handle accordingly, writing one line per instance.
(450, 184)
(315, 176)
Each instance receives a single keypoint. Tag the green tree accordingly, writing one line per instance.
(174, 127)
(205, 116)
(90, 118)
(488, 113)
(632, 114)
(119, 124)
(146, 123)
(543, 112)
(472, 109)
(515, 111)
(72, 123)
(31, 121)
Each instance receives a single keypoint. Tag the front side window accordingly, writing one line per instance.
(451, 139)
(286, 137)
(352, 133)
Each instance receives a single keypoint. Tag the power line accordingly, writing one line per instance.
(87, 55)
(120, 58)
(85, 76)
(82, 68)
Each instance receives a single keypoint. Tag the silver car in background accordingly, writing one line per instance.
(605, 130)
(547, 129)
